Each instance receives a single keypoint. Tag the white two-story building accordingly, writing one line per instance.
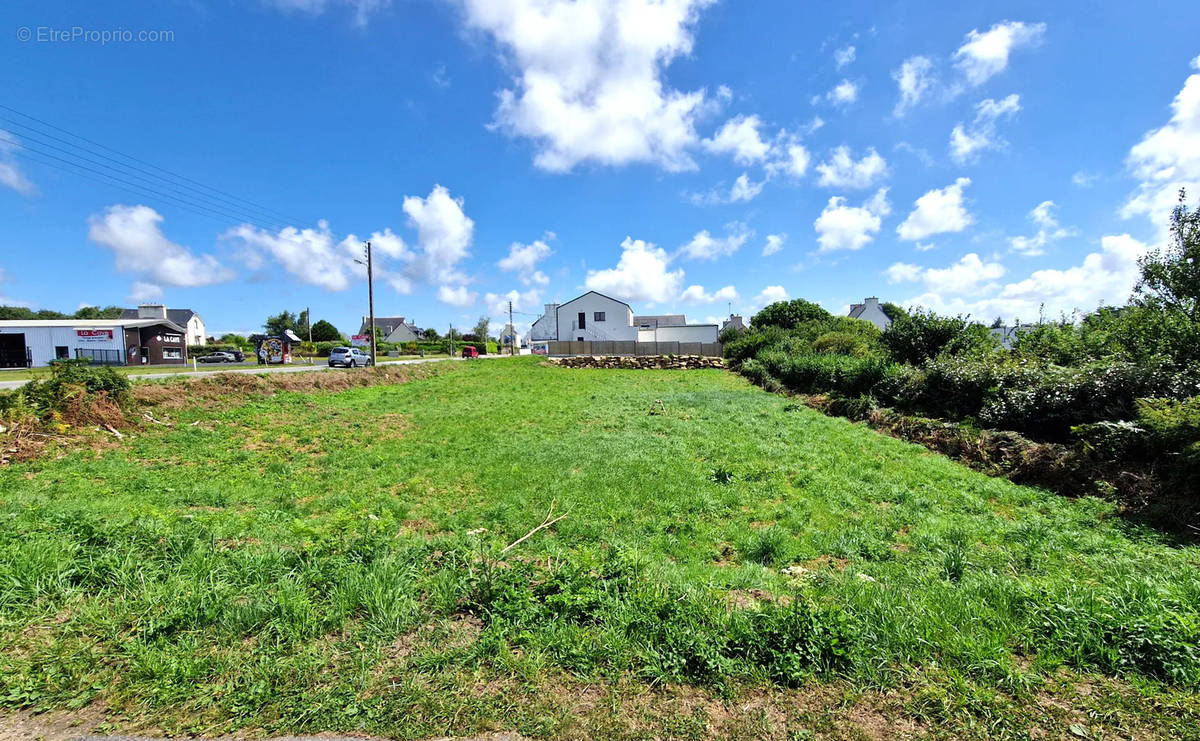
(594, 317)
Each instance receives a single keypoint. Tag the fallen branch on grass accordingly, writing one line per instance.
(545, 524)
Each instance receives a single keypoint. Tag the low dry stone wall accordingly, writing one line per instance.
(662, 362)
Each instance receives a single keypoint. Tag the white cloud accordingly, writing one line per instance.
(915, 79)
(497, 303)
(966, 142)
(841, 170)
(937, 212)
(141, 291)
(363, 9)
(444, 233)
(844, 56)
(697, 295)
(1048, 231)
(903, 272)
(844, 93)
(842, 227)
(1084, 179)
(314, 256)
(11, 175)
(1168, 158)
(774, 244)
(134, 236)
(983, 55)
(456, 296)
(523, 259)
(705, 246)
(1106, 276)
(769, 295)
(740, 138)
(641, 274)
(971, 274)
(925, 246)
(588, 78)
(743, 189)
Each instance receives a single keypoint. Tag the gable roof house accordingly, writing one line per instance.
(186, 318)
(391, 329)
(871, 310)
(546, 326)
(594, 317)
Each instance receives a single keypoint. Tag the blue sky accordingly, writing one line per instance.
(684, 155)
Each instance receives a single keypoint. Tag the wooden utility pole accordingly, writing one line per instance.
(371, 301)
(308, 321)
(512, 333)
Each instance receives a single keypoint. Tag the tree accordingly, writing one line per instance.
(481, 332)
(431, 334)
(1171, 276)
(281, 322)
(893, 311)
(232, 338)
(323, 331)
(788, 314)
(94, 312)
(924, 335)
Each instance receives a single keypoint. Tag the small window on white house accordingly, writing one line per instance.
(598, 316)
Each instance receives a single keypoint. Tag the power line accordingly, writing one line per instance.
(236, 199)
(155, 180)
(137, 189)
(241, 214)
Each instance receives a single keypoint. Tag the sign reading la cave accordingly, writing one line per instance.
(94, 335)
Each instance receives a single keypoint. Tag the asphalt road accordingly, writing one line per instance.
(9, 385)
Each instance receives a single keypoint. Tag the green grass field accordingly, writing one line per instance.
(731, 564)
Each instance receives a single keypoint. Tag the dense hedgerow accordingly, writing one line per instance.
(1118, 382)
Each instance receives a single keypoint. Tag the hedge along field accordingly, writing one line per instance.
(307, 562)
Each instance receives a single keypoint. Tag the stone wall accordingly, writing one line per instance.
(662, 362)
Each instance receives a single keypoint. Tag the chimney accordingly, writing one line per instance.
(871, 301)
(152, 311)
(551, 308)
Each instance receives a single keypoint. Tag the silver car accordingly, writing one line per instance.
(348, 357)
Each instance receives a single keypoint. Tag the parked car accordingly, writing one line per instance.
(238, 356)
(348, 357)
(469, 351)
(218, 357)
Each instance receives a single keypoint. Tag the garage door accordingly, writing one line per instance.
(12, 351)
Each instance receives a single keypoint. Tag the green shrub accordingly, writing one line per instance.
(750, 343)
(923, 335)
(817, 374)
(841, 343)
(1173, 423)
(70, 380)
(789, 314)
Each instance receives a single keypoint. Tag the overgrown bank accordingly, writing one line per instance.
(1107, 403)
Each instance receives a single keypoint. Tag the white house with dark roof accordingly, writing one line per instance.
(871, 310)
(186, 318)
(594, 317)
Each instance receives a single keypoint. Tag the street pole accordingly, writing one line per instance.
(370, 302)
(451, 336)
(512, 333)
